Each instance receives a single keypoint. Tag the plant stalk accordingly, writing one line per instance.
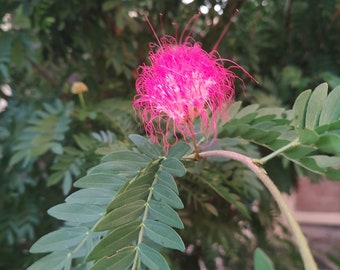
(82, 100)
(278, 151)
(254, 166)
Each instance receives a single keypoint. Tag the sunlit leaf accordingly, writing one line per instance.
(331, 109)
(299, 109)
(315, 104)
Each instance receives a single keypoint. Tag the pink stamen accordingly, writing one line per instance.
(183, 86)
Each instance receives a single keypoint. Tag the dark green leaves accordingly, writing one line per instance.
(44, 132)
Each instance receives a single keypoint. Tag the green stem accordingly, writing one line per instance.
(278, 151)
(141, 232)
(253, 165)
(82, 100)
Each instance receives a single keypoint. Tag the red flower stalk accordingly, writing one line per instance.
(183, 84)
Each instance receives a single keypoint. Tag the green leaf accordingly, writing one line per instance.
(315, 104)
(91, 196)
(145, 179)
(299, 152)
(129, 156)
(120, 216)
(116, 240)
(76, 212)
(228, 196)
(56, 148)
(233, 109)
(60, 240)
(262, 261)
(248, 112)
(164, 213)
(164, 194)
(43, 132)
(163, 234)
(329, 143)
(146, 147)
(331, 108)
(152, 258)
(299, 109)
(130, 196)
(308, 136)
(179, 150)
(326, 161)
(101, 180)
(108, 5)
(120, 261)
(122, 168)
(173, 166)
(53, 261)
(167, 179)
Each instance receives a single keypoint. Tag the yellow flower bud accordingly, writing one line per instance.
(78, 88)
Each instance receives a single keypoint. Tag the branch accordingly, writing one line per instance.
(300, 239)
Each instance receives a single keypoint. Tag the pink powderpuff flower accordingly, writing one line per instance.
(183, 85)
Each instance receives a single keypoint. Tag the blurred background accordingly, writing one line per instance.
(48, 138)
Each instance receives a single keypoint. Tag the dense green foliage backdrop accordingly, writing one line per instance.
(48, 140)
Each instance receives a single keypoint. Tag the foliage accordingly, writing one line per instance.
(312, 135)
(122, 217)
(144, 194)
(50, 145)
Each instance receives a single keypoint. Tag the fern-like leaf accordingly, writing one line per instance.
(45, 131)
(125, 203)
